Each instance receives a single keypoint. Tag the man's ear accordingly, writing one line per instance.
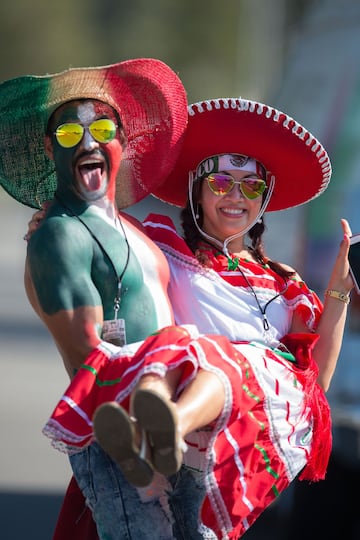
(48, 147)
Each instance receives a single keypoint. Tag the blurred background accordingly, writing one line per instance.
(301, 56)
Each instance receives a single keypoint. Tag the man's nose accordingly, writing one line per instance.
(88, 142)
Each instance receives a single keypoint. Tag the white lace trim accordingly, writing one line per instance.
(270, 112)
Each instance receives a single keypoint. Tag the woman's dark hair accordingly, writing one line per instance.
(193, 237)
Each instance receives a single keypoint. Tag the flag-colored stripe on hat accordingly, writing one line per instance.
(147, 94)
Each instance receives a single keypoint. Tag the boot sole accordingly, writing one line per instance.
(115, 432)
(157, 418)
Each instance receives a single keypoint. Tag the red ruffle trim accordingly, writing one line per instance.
(301, 346)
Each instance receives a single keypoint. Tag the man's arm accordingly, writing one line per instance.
(60, 289)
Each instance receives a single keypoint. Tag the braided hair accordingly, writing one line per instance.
(193, 238)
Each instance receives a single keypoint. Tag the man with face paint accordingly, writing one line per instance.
(95, 140)
(75, 295)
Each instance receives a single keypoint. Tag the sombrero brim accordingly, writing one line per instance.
(298, 161)
(149, 98)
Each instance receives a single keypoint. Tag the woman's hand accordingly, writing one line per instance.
(341, 279)
(36, 220)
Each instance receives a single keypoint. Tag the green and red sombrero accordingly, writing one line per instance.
(149, 98)
(299, 162)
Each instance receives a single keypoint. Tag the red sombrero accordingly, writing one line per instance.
(299, 162)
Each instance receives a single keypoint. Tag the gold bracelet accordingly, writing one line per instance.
(338, 295)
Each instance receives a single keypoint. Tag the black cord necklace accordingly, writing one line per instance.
(262, 309)
(234, 264)
(118, 277)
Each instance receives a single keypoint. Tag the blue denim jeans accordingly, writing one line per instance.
(124, 512)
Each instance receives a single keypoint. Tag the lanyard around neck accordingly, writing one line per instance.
(118, 277)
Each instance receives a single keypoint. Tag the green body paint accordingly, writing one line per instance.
(70, 270)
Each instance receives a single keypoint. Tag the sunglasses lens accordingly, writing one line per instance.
(252, 188)
(220, 184)
(103, 130)
(69, 135)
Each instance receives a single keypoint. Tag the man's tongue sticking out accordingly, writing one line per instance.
(91, 176)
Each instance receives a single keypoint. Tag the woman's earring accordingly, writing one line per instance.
(197, 215)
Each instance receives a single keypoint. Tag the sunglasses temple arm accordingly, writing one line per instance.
(203, 233)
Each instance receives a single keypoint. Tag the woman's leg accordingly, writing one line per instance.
(199, 404)
(166, 422)
(165, 386)
(161, 422)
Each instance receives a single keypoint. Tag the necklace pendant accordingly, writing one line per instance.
(266, 323)
(233, 264)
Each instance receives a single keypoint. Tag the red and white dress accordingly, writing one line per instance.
(275, 422)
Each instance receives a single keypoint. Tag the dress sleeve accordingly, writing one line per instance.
(305, 302)
(162, 231)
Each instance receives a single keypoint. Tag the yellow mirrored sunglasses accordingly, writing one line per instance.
(102, 130)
